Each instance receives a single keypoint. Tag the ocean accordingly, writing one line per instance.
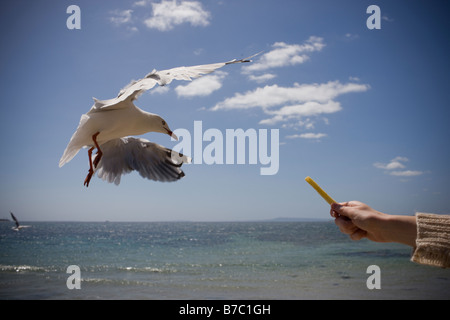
(206, 261)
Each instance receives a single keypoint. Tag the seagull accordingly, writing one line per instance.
(109, 125)
(18, 226)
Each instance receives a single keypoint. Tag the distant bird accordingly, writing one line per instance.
(109, 122)
(18, 226)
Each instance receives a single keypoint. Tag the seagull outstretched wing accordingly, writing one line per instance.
(136, 87)
(15, 219)
(151, 160)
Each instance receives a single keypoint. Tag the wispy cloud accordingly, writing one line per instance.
(406, 173)
(123, 18)
(386, 18)
(309, 135)
(141, 3)
(160, 90)
(351, 36)
(198, 51)
(203, 86)
(395, 164)
(283, 54)
(307, 109)
(168, 14)
(119, 17)
(262, 78)
(298, 106)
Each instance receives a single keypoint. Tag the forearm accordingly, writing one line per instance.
(428, 234)
(359, 220)
(401, 229)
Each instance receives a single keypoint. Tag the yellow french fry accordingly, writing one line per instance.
(320, 191)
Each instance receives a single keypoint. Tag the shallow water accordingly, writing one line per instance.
(211, 260)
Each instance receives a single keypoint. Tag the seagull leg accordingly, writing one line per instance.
(91, 169)
(99, 151)
(96, 161)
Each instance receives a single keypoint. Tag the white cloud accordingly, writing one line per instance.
(308, 135)
(397, 163)
(298, 102)
(351, 36)
(271, 96)
(198, 51)
(132, 29)
(284, 54)
(120, 17)
(262, 78)
(307, 109)
(202, 86)
(406, 173)
(141, 3)
(295, 106)
(386, 18)
(160, 90)
(168, 14)
(123, 19)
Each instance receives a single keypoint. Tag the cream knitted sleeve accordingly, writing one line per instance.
(433, 240)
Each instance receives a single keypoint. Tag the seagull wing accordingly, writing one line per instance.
(152, 161)
(15, 219)
(136, 87)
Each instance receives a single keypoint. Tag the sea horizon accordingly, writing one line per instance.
(277, 219)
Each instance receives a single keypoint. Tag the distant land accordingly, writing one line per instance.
(292, 219)
(279, 219)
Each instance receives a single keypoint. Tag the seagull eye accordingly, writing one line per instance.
(163, 123)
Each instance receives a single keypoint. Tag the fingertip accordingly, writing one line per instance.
(335, 206)
(334, 214)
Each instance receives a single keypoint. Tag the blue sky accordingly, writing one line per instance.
(364, 112)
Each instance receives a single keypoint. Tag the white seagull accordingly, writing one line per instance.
(18, 226)
(108, 124)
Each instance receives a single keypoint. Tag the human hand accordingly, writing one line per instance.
(359, 220)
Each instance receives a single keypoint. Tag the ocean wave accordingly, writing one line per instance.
(116, 282)
(88, 269)
(26, 268)
(148, 269)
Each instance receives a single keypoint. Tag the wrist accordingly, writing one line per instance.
(401, 229)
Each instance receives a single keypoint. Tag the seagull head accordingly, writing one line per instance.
(160, 125)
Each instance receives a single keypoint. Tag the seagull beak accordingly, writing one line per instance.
(173, 135)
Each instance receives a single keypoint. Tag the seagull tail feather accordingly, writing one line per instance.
(74, 146)
(68, 155)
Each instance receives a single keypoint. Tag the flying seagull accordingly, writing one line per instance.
(109, 123)
(18, 226)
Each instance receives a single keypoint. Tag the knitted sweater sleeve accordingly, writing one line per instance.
(433, 240)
